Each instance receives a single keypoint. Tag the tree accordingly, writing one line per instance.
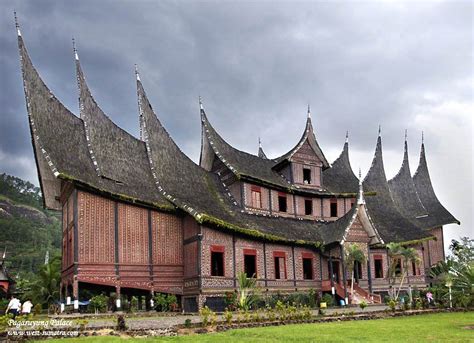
(458, 271)
(398, 252)
(45, 287)
(353, 253)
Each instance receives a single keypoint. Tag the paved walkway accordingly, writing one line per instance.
(163, 322)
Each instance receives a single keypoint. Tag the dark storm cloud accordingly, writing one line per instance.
(257, 65)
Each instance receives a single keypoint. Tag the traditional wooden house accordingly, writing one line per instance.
(140, 217)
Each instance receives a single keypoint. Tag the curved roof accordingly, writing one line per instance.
(390, 223)
(308, 135)
(94, 152)
(242, 164)
(201, 194)
(404, 193)
(340, 178)
(61, 149)
(437, 214)
(115, 153)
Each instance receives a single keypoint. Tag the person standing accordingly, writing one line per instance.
(26, 308)
(14, 307)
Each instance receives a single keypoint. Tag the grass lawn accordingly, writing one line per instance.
(443, 327)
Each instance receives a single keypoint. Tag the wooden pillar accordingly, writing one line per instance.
(118, 301)
(233, 261)
(331, 276)
(75, 294)
(369, 270)
(294, 264)
(344, 276)
(265, 263)
(150, 247)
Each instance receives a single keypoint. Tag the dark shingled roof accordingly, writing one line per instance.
(404, 193)
(390, 223)
(116, 154)
(308, 135)
(437, 214)
(244, 165)
(340, 178)
(241, 163)
(60, 145)
(201, 193)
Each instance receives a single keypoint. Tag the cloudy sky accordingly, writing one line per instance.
(257, 65)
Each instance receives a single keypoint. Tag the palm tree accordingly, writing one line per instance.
(353, 253)
(45, 288)
(406, 255)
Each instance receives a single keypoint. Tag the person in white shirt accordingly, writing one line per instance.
(14, 307)
(26, 308)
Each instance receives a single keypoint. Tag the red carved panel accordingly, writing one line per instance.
(96, 229)
(133, 234)
(167, 239)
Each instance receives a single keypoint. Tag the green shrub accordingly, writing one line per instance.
(208, 317)
(98, 303)
(165, 302)
(187, 323)
(363, 304)
(231, 300)
(37, 309)
(228, 316)
(392, 304)
(121, 326)
(328, 299)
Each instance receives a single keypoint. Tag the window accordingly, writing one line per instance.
(280, 265)
(307, 176)
(415, 269)
(398, 267)
(217, 261)
(378, 266)
(250, 262)
(333, 207)
(308, 207)
(282, 207)
(256, 197)
(307, 267)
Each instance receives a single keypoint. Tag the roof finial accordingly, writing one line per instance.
(259, 142)
(360, 198)
(347, 136)
(17, 25)
(422, 137)
(309, 111)
(200, 103)
(137, 74)
(406, 134)
(380, 130)
(76, 56)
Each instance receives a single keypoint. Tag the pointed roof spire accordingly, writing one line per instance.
(360, 198)
(309, 112)
(261, 153)
(422, 137)
(200, 103)
(18, 32)
(137, 74)
(380, 130)
(76, 56)
(347, 136)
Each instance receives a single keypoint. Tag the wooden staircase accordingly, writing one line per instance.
(361, 294)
